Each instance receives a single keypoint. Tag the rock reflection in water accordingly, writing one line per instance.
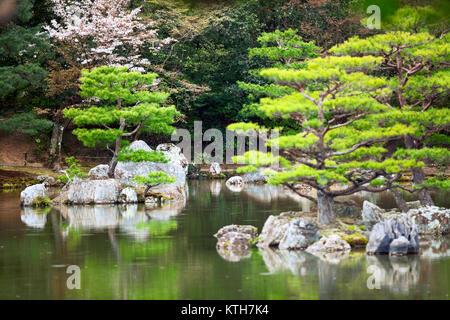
(126, 217)
(434, 248)
(398, 274)
(267, 194)
(33, 217)
(233, 255)
(216, 187)
(299, 263)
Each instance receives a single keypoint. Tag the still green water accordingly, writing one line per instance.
(129, 252)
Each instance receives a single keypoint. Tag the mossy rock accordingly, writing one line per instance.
(42, 201)
(355, 239)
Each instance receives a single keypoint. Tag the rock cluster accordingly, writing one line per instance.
(234, 241)
(395, 236)
(99, 188)
(288, 231)
(429, 219)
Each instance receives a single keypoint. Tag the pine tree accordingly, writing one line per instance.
(125, 105)
(280, 49)
(337, 149)
(417, 62)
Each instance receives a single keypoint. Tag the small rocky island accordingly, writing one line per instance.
(99, 188)
(378, 231)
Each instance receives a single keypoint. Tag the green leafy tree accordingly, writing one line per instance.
(280, 49)
(24, 53)
(417, 65)
(338, 148)
(153, 179)
(125, 105)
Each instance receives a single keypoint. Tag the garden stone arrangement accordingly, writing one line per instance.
(99, 188)
(388, 232)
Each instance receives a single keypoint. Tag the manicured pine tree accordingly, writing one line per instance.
(280, 49)
(125, 105)
(338, 151)
(417, 63)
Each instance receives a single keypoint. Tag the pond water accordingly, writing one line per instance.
(129, 252)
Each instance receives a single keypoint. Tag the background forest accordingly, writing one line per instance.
(203, 52)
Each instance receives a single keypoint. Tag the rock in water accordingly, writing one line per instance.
(175, 155)
(431, 219)
(99, 172)
(125, 171)
(93, 191)
(29, 194)
(299, 234)
(234, 241)
(385, 232)
(235, 184)
(254, 178)
(128, 195)
(215, 169)
(235, 181)
(247, 229)
(371, 214)
(331, 243)
(399, 246)
(274, 229)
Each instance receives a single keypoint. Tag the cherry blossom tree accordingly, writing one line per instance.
(89, 34)
(104, 32)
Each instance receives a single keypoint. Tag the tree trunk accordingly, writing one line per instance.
(113, 163)
(325, 204)
(419, 176)
(424, 194)
(55, 145)
(398, 197)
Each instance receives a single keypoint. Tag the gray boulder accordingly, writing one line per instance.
(140, 145)
(274, 229)
(431, 219)
(299, 234)
(99, 172)
(385, 232)
(93, 191)
(47, 180)
(215, 169)
(371, 214)
(331, 243)
(128, 195)
(254, 178)
(29, 194)
(175, 155)
(247, 229)
(236, 242)
(399, 246)
(235, 181)
(235, 184)
(126, 170)
(166, 193)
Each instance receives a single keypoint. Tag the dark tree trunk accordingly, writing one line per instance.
(424, 194)
(113, 163)
(398, 197)
(419, 176)
(55, 145)
(325, 204)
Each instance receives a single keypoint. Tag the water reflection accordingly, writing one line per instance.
(397, 274)
(148, 252)
(33, 217)
(297, 262)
